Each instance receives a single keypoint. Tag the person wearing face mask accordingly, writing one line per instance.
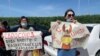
(69, 17)
(24, 26)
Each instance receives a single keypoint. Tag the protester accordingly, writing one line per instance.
(24, 26)
(7, 28)
(69, 17)
(3, 28)
(2, 46)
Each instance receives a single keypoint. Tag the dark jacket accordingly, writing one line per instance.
(1, 39)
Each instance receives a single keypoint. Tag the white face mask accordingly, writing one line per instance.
(24, 24)
(69, 20)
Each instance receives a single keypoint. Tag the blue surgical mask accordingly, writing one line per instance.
(24, 24)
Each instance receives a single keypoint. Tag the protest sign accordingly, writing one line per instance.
(78, 31)
(57, 34)
(29, 40)
(71, 34)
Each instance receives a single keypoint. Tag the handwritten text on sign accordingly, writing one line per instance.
(78, 32)
(23, 40)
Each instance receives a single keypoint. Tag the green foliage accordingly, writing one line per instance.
(45, 21)
(89, 19)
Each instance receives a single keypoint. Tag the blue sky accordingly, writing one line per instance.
(16, 8)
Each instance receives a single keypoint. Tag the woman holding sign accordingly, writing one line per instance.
(66, 51)
(24, 26)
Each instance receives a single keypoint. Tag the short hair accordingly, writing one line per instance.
(68, 11)
(5, 23)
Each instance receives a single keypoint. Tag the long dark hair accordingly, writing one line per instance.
(23, 17)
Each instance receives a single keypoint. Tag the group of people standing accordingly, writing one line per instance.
(24, 26)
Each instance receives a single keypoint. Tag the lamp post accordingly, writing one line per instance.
(9, 6)
(78, 7)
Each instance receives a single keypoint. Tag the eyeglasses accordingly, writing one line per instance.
(69, 15)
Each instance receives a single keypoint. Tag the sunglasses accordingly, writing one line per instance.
(69, 15)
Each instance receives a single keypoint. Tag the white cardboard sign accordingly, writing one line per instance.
(29, 40)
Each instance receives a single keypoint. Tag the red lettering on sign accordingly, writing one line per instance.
(79, 31)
